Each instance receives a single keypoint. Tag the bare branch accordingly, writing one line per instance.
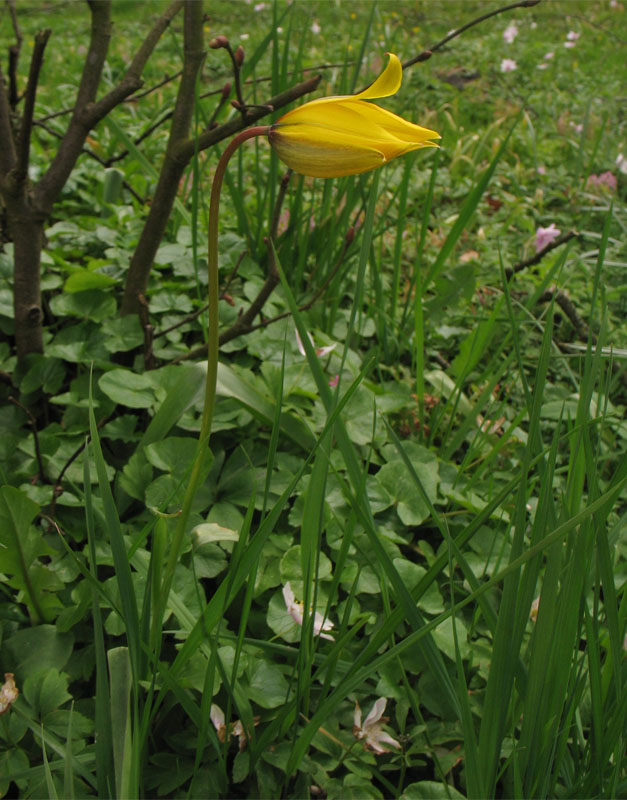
(14, 59)
(132, 79)
(348, 240)
(172, 167)
(244, 321)
(91, 154)
(166, 79)
(207, 139)
(88, 112)
(530, 262)
(33, 424)
(239, 329)
(23, 145)
(169, 78)
(58, 484)
(426, 54)
(236, 62)
(14, 56)
(7, 151)
(96, 54)
(14, 22)
(48, 188)
(569, 309)
(178, 155)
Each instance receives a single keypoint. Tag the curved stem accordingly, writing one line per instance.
(212, 365)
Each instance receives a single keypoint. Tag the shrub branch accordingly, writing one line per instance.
(426, 54)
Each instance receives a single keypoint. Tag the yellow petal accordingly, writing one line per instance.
(337, 136)
(388, 82)
(370, 120)
(332, 156)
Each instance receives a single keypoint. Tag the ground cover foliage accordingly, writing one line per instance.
(444, 488)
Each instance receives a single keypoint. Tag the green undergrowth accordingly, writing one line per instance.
(445, 488)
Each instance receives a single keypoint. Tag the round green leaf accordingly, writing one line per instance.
(127, 388)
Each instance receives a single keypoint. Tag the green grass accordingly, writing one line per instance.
(447, 486)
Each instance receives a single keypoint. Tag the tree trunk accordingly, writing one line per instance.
(173, 165)
(152, 234)
(26, 231)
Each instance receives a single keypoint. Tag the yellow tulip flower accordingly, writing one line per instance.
(337, 136)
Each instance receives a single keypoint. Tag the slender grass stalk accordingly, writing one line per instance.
(212, 361)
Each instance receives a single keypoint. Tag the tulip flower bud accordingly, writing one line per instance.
(226, 90)
(239, 55)
(337, 136)
(218, 42)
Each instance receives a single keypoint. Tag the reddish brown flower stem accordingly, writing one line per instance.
(212, 360)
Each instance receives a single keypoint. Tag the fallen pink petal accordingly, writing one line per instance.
(510, 33)
(545, 237)
(508, 65)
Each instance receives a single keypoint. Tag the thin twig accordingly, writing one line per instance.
(58, 488)
(166, 79)
(568, 307)
(244, 321)
(530, 262)
(88, 111)
(187, 318)
(191, 317)
(198, 352)
(169, 78)
(14, 22)
(132, 99)
(166, 116)
(149, 332)
(236, 74)
(92, 154)
(149, 130)
(186, 149)
(348, 240)
(33, 424)
(14, 56)
(234, 272)
(224, 96)
(426, 54)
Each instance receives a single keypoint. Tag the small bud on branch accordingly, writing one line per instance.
(218, 42)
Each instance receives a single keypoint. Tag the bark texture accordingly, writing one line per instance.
(27, 205)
